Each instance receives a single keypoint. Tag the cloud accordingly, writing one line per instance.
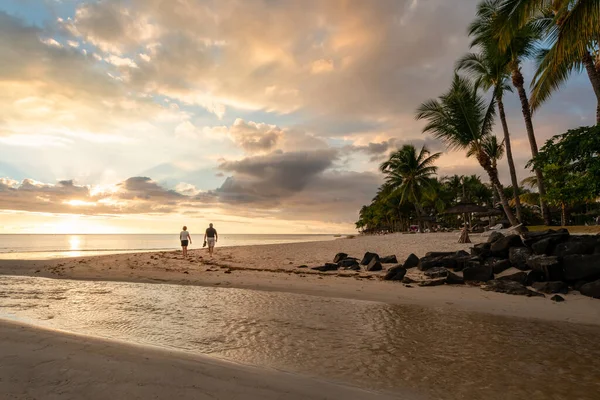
(254, 137)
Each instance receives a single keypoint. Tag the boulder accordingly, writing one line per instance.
(482, 273)
(534, 276)
(494, 236)
(411, 262)
(368, 257)
(406, 280)
(591, 289)
(498, 265)
(576, 245)
(509, 287)
(429, 262)
(520, 277)
(582, 267)
(550, 266)
(461, 253)
(440, 253)
(374, 265)
(518, 257)
(546, 246)
(557, 298)
(453, 279)
(551, 287)
(389, 260)
(349, 263)
(432, 282)
(500, 247)
(437, 272)
(339, 257)
(395, 273)
(529, 238)
(481, 250)
(326, 267)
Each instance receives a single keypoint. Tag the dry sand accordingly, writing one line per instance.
(276, 267)
(42, 364)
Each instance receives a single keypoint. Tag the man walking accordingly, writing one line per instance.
(211, 237)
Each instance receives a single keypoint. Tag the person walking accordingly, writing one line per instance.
(211, 237)
(186, 239)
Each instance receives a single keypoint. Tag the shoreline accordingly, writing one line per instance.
(275, 268)
(39, 362)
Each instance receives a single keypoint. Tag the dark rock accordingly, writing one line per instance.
(498, 265)
(509, 287)
(339, 257)
(520, 277)
(406, 285)
(302, 266)
(482, 273)
(374, 265)
(550, 266)
(368, 257)
(500, 247)
(535, 276)
(432, 282)
(395, 273)
(349, 263)
(411, 262)
(436, 272)
(462, 259)
(440, 253)
(389, 260)
(582, 267)
(591, 289)
(557, 298)
(494, 236)
(576, 245)
(518, 257)
(326, 267)
(551, 287)
(429, 262)
(461, 253)
(529, 238)
(481, 249)
(546, 246)
(453, 279)
(407, 280)
(577, 285)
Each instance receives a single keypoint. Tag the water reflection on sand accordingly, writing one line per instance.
(441, 353)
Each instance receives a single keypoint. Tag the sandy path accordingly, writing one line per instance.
(41, 364)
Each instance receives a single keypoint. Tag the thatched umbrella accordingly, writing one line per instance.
(465, 208)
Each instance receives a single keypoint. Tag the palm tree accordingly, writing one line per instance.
(410, 173)
(491, 72)
(573, 33)
(462, 119)
(485, 30)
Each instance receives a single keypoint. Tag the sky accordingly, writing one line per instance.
(261, 116)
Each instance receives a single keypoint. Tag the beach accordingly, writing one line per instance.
(140, 324)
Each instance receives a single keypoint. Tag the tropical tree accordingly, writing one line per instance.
(462, 119)
(410, 173)
(490, 70)
(573, 34)
(523, 44)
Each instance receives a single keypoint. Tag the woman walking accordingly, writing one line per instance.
(185, 237)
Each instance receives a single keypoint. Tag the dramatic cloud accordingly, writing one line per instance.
(253, 137)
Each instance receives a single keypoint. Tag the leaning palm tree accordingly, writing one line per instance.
(523, 44)
(490, 70)
(410, 173)
(462, 119)
(573, 34)
(495, 151)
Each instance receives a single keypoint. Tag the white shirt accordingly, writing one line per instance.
(184, 235)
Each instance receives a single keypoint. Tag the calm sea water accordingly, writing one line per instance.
(56, 246)
(438, 353)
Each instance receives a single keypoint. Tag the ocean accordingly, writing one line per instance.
(35, 247)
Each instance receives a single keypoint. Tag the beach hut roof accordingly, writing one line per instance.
(465, 208)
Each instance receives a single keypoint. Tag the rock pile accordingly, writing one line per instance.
(550, 262)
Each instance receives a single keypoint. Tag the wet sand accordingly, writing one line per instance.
(43, 364)
(277, 268)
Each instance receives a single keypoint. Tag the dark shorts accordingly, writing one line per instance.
(184, 243)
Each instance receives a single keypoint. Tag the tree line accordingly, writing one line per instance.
(562, 37)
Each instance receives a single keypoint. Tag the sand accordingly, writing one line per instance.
(43, 364)
(276, 267)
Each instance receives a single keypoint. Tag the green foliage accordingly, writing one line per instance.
(571, 164)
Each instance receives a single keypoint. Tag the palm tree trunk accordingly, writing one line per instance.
(594, 76)
(509, 158)
(519, 82)
(563, 214)
(485, 162)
